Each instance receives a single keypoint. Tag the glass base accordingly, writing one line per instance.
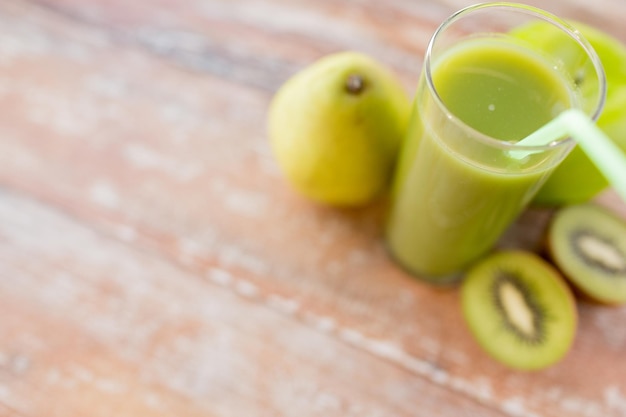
(448, 280)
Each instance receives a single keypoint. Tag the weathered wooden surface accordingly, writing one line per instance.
(153, 261)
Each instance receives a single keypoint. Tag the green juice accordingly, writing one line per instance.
(454, 196)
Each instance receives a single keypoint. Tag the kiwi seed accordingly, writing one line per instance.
(598, 252)
(521, 313)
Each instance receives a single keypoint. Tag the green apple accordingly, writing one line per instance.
(577, 179)
(336, 126)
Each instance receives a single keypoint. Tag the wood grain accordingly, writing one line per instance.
(154, 262)
(101, 328)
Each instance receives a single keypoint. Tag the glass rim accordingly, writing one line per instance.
(570, 30)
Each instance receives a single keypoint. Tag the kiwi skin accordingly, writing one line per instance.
(542, 297)
(587, 284)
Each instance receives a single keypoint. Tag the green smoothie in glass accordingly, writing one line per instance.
(457, 187)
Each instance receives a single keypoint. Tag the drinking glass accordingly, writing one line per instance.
(483, 87)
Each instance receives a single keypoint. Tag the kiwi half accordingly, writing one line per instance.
(519, 309)
(588, 244)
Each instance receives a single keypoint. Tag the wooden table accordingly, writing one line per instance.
(153, 261)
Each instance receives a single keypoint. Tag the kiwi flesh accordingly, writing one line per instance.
(588, 244)
(519, 309)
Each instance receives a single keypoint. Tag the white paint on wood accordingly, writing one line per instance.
(615, 398)
(283, 304)
(611, 323)
(220, 276)
(246, 203)
(144, 158)
(246, 289)
(103, 193)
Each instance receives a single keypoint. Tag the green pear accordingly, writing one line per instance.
(577, 179)
(335, 128)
